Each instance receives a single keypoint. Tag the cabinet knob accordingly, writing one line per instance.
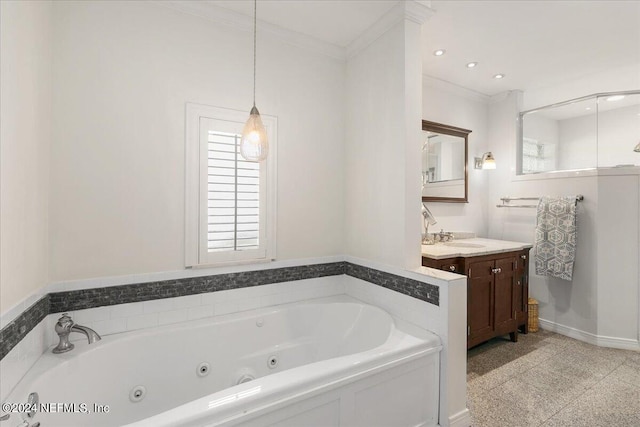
(496, 270)
(452, 267)
(523, 256)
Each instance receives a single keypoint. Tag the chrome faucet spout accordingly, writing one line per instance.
(64, 327)
(92, 336)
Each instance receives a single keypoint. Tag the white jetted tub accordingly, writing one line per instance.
(323, 362)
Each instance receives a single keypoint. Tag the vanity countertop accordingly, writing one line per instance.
(471, 247)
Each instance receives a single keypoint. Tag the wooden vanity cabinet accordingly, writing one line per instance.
(454, 265)
(497, 293)
(522, 291)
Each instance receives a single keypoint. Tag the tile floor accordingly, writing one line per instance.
(550, 380)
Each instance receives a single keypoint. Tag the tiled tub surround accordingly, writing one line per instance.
(446, 320)
(335, 349)
(187, 290)
(31, 333)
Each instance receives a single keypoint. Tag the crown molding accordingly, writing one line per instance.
(418, 11)
(455, 89)
(242, 22)
(411, 10)
(499, 97)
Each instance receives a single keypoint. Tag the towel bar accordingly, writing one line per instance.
(506, 200)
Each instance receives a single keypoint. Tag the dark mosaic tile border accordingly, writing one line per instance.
(413, 288)
(112, 295)
(59, 302)
(15, 331)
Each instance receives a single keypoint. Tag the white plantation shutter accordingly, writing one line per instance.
(233, 196)
(230, 201)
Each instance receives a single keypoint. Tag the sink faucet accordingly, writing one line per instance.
(428, 219)
(64, 327)
(443, 236)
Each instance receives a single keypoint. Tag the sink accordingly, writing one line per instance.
(464, 245)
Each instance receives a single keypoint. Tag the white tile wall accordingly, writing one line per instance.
(20, 359)
(200, 312)
(15, 311)
(174, 316)
(141, 321)
(133, 316)
(412, 310)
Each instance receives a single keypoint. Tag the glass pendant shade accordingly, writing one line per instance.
(254, 145)
(488, 161)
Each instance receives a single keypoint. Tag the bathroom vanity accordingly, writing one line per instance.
(497, 283)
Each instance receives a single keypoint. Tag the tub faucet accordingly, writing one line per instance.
(64, 327)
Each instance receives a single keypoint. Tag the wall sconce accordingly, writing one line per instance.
(637, 149)
(487, 161)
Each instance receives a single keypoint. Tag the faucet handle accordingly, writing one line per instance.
(65, 322)
(65, 318)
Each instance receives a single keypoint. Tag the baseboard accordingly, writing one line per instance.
(588, 337)
(461, 419)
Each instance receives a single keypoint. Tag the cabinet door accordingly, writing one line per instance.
(505, 296)
(522, 290)
(480, 302)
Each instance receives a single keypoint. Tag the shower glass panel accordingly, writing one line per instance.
(618, 130)
(594, 131)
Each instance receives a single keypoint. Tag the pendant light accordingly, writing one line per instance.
(254, 145)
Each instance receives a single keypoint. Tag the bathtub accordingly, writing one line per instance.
(321, 362)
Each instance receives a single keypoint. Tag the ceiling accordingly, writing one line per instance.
(338, 22)
(534, 43)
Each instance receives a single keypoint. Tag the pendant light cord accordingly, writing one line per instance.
(255, 8)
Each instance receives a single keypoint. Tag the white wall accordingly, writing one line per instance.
(601, 303)
(448, 104)
(123, 72)
(618, 255)
(383, 149)
(574, 303)
(25, 117)
(609, 306)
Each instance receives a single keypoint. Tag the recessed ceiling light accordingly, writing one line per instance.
(588, 108)
(472, 64)
(439, 52)
(615, 98)
(499, 76)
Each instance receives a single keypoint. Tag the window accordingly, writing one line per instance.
(230, 215)
(533, 159)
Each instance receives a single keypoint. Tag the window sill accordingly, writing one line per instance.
(230, 263)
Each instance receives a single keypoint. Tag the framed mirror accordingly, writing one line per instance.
(444, 163)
